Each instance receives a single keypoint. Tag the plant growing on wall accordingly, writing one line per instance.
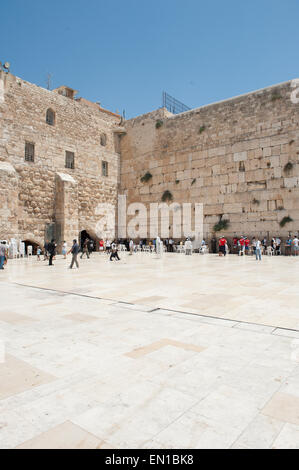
(291, 142)
(146, 177)
(275, 96)
(285, 221)
(159, 123)
(288, 166)
(223, 224)
(193, 181)
(201, 129)
(177, 181)
(255, 201)
(167, 196)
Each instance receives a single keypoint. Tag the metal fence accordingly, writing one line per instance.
(172, 104)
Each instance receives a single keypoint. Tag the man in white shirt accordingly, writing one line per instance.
(258, 250)
(188, 247)
(278, 243)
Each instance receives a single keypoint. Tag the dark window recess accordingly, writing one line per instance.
(104, 168)
(50, 117)
(103, 140)
(69, 160)
(29, 152)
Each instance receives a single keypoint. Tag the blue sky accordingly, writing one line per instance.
(125, 53)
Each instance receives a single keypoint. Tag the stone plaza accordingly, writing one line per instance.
(178, 352)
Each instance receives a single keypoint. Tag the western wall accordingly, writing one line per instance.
(238, 157)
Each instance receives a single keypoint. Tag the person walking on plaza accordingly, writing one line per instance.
(38, 253)
(131, 245)
(85, 249)
(114, 254)
(74, 250)
(3, 254)
(258, 250)
(51, 251)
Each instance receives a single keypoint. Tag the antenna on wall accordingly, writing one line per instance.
(5, 67)
(49, 81)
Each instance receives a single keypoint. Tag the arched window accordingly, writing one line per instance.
(103, 139)
(50, 117)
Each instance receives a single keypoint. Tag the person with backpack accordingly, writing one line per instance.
(114, 254)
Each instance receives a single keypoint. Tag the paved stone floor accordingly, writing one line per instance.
(179, 352)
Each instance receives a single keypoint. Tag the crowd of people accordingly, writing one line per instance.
(241, 246)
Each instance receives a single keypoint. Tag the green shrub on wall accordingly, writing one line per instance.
(285, 221)
(146, 177)
(167, 196)
(223, 224)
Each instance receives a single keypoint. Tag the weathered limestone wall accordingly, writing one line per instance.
(8, 201)
(78, 127)
(230, 156)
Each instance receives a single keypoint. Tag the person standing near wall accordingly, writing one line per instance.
(188, 247)
(3, 254)
(258, 249)
(64, 249)
(74, 250)
(85, 248)
(242, 246)
(51, 251)
(222, 243)
(295, 245)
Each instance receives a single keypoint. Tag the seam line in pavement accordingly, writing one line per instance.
(116, 302)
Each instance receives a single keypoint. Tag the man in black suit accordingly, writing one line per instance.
(51, 251)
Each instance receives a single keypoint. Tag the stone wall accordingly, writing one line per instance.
(79, 126)
(231, 156)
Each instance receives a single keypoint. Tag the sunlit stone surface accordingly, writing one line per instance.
(178, 352)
